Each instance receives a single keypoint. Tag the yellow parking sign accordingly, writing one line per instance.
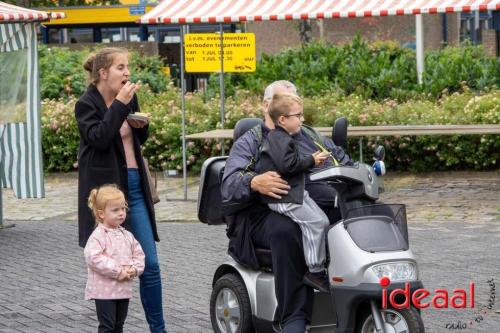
(202, 52)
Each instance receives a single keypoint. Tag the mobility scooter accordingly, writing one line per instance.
(368, 257)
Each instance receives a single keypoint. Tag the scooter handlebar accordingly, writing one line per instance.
(357, 173)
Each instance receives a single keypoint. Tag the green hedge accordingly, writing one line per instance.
(374, 71)
(422, 153)
(62, 74)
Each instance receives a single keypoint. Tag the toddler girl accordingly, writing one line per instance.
(114, 258)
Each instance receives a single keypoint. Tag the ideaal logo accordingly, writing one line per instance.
(439, 300)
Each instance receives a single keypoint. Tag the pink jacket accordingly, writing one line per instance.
(107, 252)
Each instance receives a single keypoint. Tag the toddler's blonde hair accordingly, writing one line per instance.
(99, 197)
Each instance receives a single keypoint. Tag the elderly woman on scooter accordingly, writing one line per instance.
(258, 226)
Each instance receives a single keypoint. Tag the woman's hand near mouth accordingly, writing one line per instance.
(127, 92)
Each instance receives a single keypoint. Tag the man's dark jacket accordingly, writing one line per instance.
(280, 153)
(101, 157)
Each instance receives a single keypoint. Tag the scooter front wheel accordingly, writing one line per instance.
(230, 310)
(394, 320)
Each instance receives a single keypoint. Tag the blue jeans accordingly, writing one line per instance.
(150, 280)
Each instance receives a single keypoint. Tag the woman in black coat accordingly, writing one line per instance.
(110, 153)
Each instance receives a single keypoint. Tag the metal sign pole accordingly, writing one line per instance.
(183, 107)
(221, 79)
(419, 34)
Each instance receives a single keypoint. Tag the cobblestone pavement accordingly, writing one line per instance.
(454, 225)
(61, 200)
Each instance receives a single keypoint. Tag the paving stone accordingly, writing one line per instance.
(454, 226)
(61, 200)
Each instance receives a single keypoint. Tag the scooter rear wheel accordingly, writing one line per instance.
(395, 320)
(230, 310)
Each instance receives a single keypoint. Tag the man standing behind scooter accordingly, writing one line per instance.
(258, 226)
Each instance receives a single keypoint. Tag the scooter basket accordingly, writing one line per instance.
(378, 227)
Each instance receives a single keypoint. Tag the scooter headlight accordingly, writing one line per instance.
(397, 271)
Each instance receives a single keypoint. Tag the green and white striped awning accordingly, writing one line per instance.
(21, 160)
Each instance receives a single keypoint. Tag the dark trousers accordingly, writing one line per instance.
(324, 195)
(111, 314)
(280, 234)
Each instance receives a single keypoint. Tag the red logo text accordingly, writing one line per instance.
(440, 299)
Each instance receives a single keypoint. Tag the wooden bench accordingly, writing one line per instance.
(361, 131)
(377, 131)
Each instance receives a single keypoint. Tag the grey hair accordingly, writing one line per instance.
(269, 92)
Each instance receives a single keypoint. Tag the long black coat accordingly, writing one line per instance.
(101, 158)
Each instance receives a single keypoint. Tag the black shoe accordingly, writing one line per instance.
(317, 281)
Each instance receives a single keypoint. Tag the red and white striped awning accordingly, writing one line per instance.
(226, 11)
(11, 13)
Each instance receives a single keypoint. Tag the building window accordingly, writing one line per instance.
(80, 35)
(468, 22)
(133, 34)
(111, 35)
(54, 36)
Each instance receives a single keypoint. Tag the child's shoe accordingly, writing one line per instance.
(317, 281)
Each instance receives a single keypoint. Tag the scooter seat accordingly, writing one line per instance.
(264, 258)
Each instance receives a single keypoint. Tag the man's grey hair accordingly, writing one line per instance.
(269, 92)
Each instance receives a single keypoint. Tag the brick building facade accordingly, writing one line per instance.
(271, 37)
(490, 42)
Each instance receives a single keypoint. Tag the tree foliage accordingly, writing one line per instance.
(62, 74)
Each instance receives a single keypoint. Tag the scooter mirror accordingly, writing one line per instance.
(339, 132)
(380, 153)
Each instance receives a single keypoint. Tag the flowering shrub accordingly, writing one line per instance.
(60, 137)
(421, 153)
(164, 147)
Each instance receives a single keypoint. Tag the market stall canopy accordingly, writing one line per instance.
(10, 13)
(223, 11)
(21, 162)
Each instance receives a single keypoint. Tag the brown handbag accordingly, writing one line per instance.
(152, 183)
